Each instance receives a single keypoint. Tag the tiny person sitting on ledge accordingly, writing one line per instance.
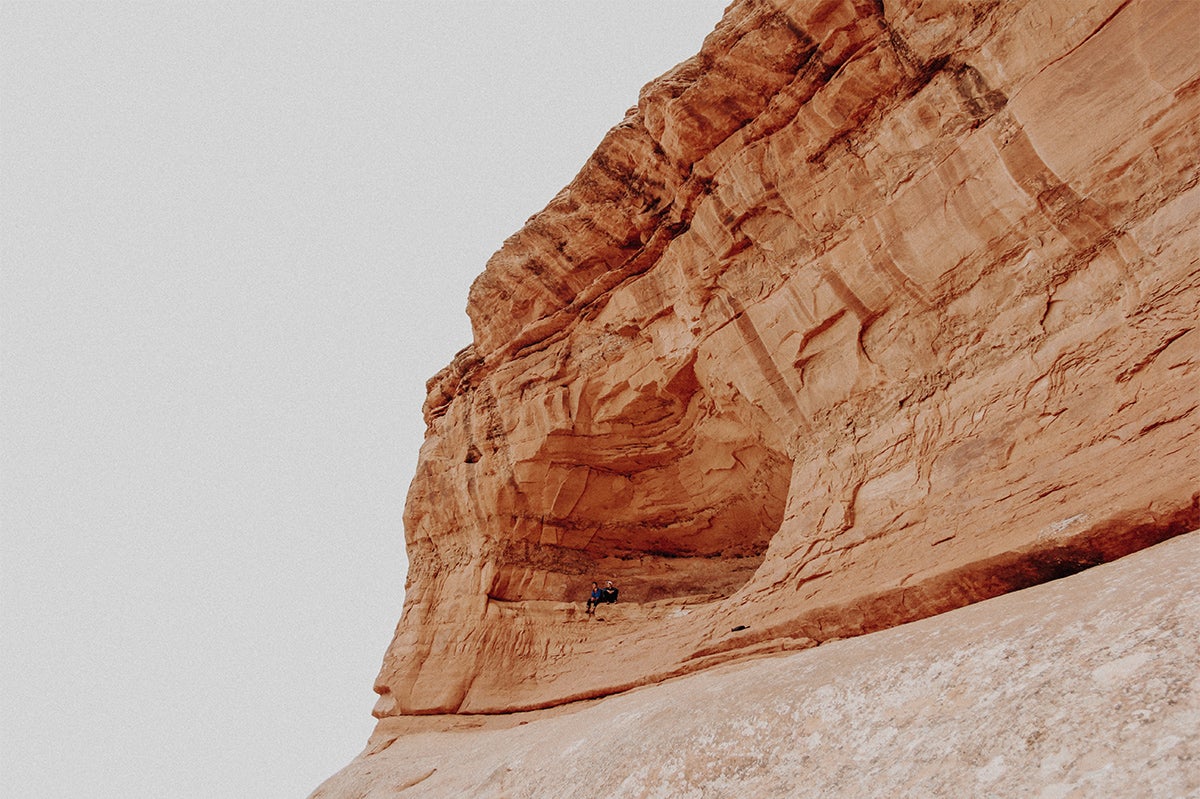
(596, 598)
(601, 595)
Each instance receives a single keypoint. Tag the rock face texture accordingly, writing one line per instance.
(868, 311)
(1082, 687)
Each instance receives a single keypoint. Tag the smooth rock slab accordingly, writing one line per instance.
(1087, 686)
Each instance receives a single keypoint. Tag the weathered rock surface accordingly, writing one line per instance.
(866, 312)
(1082, 687)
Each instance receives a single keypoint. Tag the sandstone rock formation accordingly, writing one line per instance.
(868, 311)
(1082, 687)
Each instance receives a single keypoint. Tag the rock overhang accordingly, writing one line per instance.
(864, 313)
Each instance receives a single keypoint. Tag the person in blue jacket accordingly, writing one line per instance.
(595, 599)
(605, 595)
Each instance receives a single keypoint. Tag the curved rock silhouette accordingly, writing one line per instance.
(866, 312)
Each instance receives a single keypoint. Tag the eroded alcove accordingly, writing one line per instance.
(652, 484)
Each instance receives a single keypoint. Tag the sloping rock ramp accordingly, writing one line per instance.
(1088, 686)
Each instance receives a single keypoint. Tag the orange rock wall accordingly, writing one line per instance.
(867, 311)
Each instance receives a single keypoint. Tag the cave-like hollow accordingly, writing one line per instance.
(693, 526)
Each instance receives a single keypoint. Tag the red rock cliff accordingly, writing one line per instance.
(868, 311)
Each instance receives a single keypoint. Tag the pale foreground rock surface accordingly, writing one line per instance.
(868, 311)
(1087, 686)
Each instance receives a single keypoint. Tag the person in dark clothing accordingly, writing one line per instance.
(607, 594)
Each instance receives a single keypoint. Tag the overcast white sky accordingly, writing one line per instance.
(236, 240)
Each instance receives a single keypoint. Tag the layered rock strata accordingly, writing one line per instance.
(866, 312)
(1083, 687)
